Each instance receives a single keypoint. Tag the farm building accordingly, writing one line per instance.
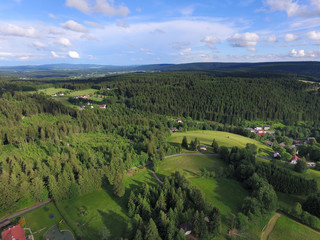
(203, 148)
(15, 232)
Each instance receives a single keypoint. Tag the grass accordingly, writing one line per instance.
(104, 209)
(286, 229)
(190, 165)
(82, 92)
(288, 201)
(40, 218)
(223, 139)
(49, 91)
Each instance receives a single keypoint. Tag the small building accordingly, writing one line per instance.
(103, 106)
(89, 103)
(179, 120)
(53, 95)
(261, 132)
(269, 143)
(266, 127)
(186, 228)
(294, 159)
(311, 164)
(174, 129)
(276, 155)
(61, 94)
(258, 128)
(282, 144)
(203, 148)
(91, 106)
(15, 232)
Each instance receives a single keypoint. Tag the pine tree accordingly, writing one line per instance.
(138, 235)
(151, 231)
(215, 146)
(118, 186)
(184, 143)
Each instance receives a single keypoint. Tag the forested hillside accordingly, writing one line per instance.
(222, 99)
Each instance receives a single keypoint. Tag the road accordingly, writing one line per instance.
(187, 154)
(17, 214)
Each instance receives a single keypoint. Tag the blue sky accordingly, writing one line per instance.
(133, 32)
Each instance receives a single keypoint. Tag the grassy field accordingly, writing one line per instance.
(49, 91)
(288, 201)
(190, 165)
(40, 219)
(223, 139)
(286, 229)
(82, 92)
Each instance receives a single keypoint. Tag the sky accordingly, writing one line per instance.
(135, 32)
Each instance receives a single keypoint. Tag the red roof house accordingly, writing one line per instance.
(15, 232)
(103, 106)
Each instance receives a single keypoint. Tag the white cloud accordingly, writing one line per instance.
(180, 45)
(64, 42)
(55, 55)
(24, 58)
(210, 41)
(88, 37)
(185, 52)
(51, 15)
(313, 35)
(94, 24)
(74, 26)
(39, 44)
(187, 11)
(246, 40)
(294, 8)
(73, 54)
(146, 50)
(14, 30)
(123, 24)
(289, 37)
(56, 31)
(303, 53)
(101, 6)
(272, 38)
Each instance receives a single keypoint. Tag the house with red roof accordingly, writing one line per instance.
(103, 106)
(15, 232)
(294, 159)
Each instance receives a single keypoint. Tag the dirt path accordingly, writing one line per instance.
(269, 227)
(20, 212)
(156, 176)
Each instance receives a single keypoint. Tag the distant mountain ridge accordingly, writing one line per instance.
(305, 69)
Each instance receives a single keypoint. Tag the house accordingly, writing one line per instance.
(294, 159)
(311, 164)
(5, 223)
(53, 95)
(85, 96)
(174, 129)
(261, 132)
(91, 106)
(203, 148)
(103, 106)
(282, 144)
(269, 143)
(89, 103)
(266, 127)
(276, 155)
(258, 128)
(15, 232)
(251, 130)
(83, 107)
(186, 228)
(61, 94)
(296, 142)
(179, 120)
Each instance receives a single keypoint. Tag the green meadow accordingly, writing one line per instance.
(223, 139)
(287, 229)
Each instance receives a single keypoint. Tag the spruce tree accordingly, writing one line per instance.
(151, 231)
(118, 186)
(184, 143)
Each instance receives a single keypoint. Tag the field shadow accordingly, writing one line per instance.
(116, 224)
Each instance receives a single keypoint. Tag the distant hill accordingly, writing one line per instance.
(307, 70)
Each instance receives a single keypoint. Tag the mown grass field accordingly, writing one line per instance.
(286, 229)
(223, 139)
(49, 91)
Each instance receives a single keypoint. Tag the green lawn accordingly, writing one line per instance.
(288, 201)
(49, 91)
(82, 92)
(286, 229)
(223, 139)
(190, 165)
(40, 219)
